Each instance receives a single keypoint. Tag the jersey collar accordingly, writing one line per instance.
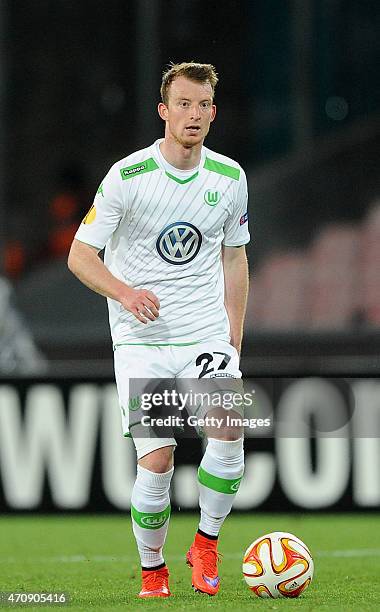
(175, 174)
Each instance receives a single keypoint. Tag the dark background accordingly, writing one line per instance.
(298, 107)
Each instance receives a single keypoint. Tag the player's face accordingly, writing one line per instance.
(189, 112)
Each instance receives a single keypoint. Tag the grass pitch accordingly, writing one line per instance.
(93, 558)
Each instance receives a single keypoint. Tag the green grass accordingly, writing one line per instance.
(94, 560)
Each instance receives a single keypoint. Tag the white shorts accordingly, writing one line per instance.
(214, 358)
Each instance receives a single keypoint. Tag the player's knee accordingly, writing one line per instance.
(224, 426)
(159, 460)
(228, 434)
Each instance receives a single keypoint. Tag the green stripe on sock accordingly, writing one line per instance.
(222, 485)
(150, 520)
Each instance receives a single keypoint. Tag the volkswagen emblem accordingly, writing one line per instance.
(179, 243)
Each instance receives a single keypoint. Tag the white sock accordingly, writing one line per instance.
(219, 476)
(150, 511)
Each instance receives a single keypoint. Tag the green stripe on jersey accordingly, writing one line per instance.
(158, 344)
(219, 168)
(150, 520)
(222, 485)
(145, 166)
(182, 181)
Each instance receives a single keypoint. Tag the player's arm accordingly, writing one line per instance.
(85, 263)
(96, 229)
(235, 267)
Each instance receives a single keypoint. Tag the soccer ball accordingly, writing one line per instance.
(278, 565)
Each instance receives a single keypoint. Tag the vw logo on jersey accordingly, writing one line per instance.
(179, 243)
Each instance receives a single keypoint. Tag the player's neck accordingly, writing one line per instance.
(183, 158)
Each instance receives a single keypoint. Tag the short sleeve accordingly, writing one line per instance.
(105, 213)
(236, 226)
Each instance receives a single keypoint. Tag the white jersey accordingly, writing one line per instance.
(163, 229)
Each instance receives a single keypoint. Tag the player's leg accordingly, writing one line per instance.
(219, 476)
(220, 471)
(150, 511)
(150, 503)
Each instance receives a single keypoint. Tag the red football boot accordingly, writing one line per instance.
(203, 557)
(155, 583)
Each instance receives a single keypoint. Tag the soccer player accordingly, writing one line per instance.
(173, 219)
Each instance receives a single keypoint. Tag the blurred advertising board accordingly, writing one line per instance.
(311, 444)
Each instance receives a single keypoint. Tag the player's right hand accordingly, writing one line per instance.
(143, 304)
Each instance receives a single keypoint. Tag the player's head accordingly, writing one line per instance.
(187, 107)
(199, 73)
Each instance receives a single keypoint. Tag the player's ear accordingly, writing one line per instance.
(163, 111)
(213, 112)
